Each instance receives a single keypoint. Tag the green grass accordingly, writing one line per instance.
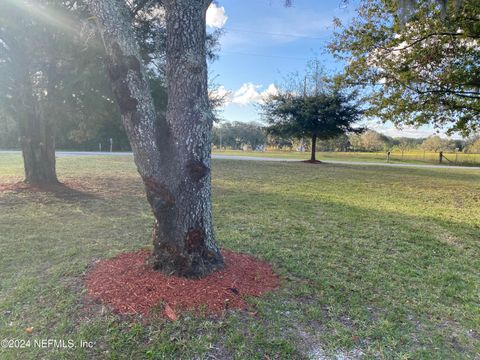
(375, 262)
(409, 157)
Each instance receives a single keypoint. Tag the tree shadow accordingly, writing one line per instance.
(453, 173)
(68, 191)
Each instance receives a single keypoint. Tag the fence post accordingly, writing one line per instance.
(440, 157)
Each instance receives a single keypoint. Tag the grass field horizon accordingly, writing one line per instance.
(409, 157)
(375, 262)
(416, 157)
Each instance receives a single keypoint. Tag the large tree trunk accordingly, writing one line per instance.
(37, 136)
(38, 149)
(188, 241)
(173, 154)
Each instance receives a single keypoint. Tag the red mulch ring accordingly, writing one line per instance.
(130, 286)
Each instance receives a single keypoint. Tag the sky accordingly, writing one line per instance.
(264, 42)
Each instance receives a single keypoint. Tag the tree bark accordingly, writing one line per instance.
(38, 149)
(314, 148)
(35, 128)
(37, 135)
(172, 153)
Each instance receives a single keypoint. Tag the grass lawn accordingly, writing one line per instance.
(376, 262)
(410, 157)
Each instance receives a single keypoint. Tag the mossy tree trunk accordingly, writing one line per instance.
(172, 153)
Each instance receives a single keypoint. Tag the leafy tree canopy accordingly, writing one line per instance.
(418, 63)
(325, 115)
(319, 111)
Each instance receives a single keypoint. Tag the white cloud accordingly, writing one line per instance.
(406, 132)
(246, 94)
(250, 93)
(271, 90)
(391, 130)
(413, 132)
(216, 17)
(221, 91)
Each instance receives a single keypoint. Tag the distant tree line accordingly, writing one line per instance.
(255, 136)
(372, 141)
(237, 135)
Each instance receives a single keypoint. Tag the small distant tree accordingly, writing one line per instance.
(355, 142)
(280, 142)
(369, 140)
(237, 134)
(249, 134)
(322, 116)
(339, 143)
(436, 144)
(310, 106)
(373, 141)
(403, 145)
(474, 145)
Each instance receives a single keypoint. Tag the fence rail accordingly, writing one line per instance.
(453, 158)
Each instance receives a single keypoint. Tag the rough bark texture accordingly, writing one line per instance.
(172, 154)
(37, 136)
(35, 128)
(38, 150)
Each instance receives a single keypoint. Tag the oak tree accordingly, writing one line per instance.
(172, 150)
(417, 61)
(322, 115)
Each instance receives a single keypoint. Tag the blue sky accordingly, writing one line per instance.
(265, 41)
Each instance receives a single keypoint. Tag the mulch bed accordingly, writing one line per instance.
(129, 286)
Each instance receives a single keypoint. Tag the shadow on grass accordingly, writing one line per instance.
(471, 175)
(420, 272)
(68, 191)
